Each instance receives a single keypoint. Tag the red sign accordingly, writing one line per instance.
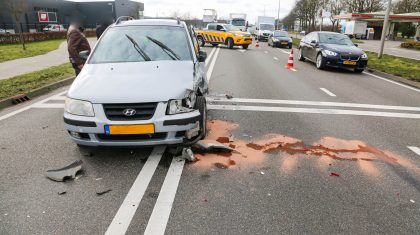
(43, 17)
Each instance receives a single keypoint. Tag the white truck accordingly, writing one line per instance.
(355, 29)
(264, 27)
(238, 20)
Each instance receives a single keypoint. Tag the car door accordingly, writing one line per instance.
(220, 33)
(200, 79)
(305, 45)
(270, 39)
(313, 47)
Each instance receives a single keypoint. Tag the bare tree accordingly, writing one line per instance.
(363, 6)
(406, 6)
(335, 7)
(17, 8)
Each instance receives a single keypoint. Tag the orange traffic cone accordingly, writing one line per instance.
(290, 61)
(257, 44)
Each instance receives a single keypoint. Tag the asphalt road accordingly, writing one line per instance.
(317, 152)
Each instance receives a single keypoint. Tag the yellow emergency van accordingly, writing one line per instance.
(225, 34)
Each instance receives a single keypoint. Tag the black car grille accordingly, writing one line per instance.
(266, 34)
(155, 136)
(144, 111)
(349, 57)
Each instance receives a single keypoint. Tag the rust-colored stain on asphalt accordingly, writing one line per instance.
(254, 153)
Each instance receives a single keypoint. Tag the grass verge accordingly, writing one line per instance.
(24, 83)
(295, 41)
(403, 67)
(357, 41)
(15, 51)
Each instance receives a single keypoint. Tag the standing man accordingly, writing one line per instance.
(76, 42)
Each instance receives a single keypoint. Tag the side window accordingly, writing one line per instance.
(212, 27)
(220, 27)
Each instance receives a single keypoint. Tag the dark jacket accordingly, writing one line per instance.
(76, 42)
(100, 30)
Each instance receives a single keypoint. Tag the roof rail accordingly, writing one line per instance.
(123, 18)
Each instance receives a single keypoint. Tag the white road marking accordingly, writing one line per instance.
(414, 149)
(31, 106)
(122, 219)
(327, 91)
(313, 110)
(49, 106)
(313, 103)
(275, 58)
(213, 62)
(294, 70)
(59, 98)
(241, 50)
(393, 82)
(160, 215)
(210, 56)
(284, 51)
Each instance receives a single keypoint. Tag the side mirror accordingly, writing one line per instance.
(314, 43)
(355, 44)
(84, 55)
(202, 56)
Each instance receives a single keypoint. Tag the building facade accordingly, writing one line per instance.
(39, 13)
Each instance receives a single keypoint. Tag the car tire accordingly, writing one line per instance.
(358, 70)
(201, 41)
(229, 43)
(245, 47)
(201, 105)
(320, 61)
(300, 56)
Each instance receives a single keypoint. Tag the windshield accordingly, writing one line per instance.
(231, 27)
(281, 34)
(142, 43)
(339, 39)
(267, 27)
(238, 22)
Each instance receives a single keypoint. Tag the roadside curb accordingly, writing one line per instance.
(8, 102)
(395, 78)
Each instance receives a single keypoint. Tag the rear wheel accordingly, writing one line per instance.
(320, 61)
(201, 105)
(229, 43)
(300, 55)
(245, 47)
(358, 70)
(201, 41)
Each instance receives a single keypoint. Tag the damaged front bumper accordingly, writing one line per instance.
(168, 129)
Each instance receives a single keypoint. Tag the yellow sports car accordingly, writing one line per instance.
(225, 34)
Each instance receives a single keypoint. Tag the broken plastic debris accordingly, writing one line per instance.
(188, 154)
(412, 201)
(61, 192)
(68, 172)
(103, 192)
(229, 96)
(210, 147)
(334, 174)
(262, 172)
(98, 179)
(231, 138)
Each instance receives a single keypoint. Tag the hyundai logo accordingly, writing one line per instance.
(129, 112)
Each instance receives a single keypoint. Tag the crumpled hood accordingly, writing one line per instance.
(342, 49)
(133, 82)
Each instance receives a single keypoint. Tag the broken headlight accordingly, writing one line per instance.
(79, 107)
(182, 106)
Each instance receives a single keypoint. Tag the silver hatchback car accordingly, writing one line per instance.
(143, 84)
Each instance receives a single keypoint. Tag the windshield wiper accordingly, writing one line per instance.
(138, 49)
(166, 49)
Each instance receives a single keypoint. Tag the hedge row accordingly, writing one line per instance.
(411, 45)
(38, 36)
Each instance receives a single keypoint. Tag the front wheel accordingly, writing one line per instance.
(230, 43)
(320, 61)
(358, 70)
(201, 105)
(300, 55)
(245, 47)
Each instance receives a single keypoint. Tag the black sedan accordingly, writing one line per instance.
(280, 39)
(332, 49)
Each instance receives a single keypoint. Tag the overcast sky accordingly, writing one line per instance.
(253, 8)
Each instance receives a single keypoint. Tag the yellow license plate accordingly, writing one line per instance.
(284, 43)
(130, 129)
(349, 62)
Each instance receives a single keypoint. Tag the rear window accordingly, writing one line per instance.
(142, 43)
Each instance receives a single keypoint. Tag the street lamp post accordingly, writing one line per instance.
(384, 30)
(278, 17)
